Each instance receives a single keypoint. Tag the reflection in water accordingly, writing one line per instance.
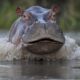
(22, 70)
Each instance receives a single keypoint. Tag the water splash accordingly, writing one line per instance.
(8, 51)
(69, 51)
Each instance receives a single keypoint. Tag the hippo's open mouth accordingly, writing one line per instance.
(43, 46)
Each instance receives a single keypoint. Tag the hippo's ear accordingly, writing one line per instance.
(56, 9)
(19, 11)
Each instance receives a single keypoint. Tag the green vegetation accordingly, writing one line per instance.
(70, 18)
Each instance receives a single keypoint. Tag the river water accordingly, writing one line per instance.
(30, 70)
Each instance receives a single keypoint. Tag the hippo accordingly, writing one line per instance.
(37, 31)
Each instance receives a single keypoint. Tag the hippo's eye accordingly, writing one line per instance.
(26, 16)
(52, 16)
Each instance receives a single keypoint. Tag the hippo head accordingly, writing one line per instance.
(42, 34)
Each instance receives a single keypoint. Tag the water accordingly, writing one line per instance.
(74, 35)
(30, 70)
(23, 70)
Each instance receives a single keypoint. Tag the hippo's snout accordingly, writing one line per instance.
(43, 38)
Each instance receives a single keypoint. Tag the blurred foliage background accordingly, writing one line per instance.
(70, 12)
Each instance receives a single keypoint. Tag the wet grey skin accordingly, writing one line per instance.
(40, 36)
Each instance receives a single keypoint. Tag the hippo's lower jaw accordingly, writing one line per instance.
(43, 46)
